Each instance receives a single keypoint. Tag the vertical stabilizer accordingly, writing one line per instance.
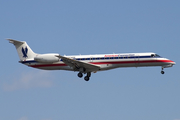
(24, 51)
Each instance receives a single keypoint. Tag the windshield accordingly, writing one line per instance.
(155, 55)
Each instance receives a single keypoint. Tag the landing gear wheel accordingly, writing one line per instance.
(89, 74)
(80, 75)
(162, 72)
(86, 78)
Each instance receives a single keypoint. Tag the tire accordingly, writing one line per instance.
(80, 75)
(86, 78)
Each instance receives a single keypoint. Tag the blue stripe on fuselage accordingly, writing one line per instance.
(30, 61)
(100, 58)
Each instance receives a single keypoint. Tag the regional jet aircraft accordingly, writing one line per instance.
(86, 64)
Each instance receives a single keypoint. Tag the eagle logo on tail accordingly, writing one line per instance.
(25, 51)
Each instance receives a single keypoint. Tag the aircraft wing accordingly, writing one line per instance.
(79, 64)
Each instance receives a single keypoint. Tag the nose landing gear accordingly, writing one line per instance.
(162, 72)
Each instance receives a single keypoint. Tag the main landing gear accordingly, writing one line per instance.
(86, 78)
(80, 75)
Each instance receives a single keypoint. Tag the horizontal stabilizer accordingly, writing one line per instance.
(15, 41)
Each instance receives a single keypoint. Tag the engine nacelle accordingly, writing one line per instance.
(47, 58)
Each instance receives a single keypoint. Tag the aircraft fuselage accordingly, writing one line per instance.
(86, 64)
(107, 61)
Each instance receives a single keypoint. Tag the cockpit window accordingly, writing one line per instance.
(157, 55)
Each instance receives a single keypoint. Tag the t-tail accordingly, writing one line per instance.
(23, 50)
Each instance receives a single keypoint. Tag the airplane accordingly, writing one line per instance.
(86, 64)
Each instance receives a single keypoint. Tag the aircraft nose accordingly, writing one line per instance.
(173, 63)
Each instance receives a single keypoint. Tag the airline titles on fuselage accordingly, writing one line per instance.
(121, 55)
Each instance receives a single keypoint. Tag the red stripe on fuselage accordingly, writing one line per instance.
(128, 62)
(47, 65)
(100, 63)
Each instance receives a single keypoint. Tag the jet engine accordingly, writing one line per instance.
(47, 58)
